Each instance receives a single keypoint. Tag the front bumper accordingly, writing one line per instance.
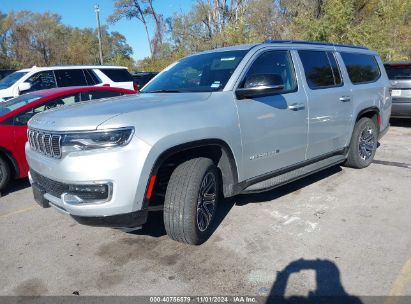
(118, 167)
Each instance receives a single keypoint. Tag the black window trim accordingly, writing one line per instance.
(332, 71)
(256, 56)
(363, 82)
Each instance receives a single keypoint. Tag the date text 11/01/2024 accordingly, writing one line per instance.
(203, 299)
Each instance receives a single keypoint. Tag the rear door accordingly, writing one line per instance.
(329, 100)
(273, 127)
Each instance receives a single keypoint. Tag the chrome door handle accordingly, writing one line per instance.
(296, 106)
(345, 98)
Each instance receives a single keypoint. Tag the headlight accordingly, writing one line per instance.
(97, 139)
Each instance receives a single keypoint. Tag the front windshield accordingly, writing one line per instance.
(11, 79)
(15, 103)
(199, 73)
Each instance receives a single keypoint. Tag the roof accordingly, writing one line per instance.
(287, 43)
(46, 95)
(68, 90)
(65, 67)
(316, 43)
(397, 63)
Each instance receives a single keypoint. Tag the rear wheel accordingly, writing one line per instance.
(4, 173)
(363, 144)
(191, 201)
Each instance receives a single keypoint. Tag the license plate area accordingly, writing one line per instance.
(396, 93)
(38, 193)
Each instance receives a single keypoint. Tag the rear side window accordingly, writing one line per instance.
(398, 71)
(91, 77)
(89, 95)
(117, 75)
(70, 78)
(321, 69)
(361, 68)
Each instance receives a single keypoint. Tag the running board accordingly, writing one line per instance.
(292, 175)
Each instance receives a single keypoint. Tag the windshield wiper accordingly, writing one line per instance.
(162, 91)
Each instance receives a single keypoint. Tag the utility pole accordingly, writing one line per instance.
(97, 10)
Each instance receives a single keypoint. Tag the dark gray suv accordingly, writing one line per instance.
(399, 74)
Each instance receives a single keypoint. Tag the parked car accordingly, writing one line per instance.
(400, 75)
(4, 73)
(15, 113)
(142, 78)
(34, 79)
(241, 119)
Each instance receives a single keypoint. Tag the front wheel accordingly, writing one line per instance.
(363, 144)
(191, 201)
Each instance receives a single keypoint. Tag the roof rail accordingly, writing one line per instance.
(315, 43)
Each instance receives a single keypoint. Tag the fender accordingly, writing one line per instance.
(226, 163)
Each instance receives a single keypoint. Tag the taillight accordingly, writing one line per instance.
(105, 85)
(135, 85)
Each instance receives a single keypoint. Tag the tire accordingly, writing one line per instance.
(4, 173)
(187, 216)
(363, 144)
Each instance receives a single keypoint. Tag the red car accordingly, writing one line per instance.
(16, 112)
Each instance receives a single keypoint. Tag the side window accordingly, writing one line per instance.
(41, 81)
(361, 68)
(117, 75)
(70, 78)
(22, 118)
(89, 95)
(91, 77)
(321, 69)
(278, 66)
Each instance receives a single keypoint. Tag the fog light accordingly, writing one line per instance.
(91, 193)
(101, 189)
(71, 199)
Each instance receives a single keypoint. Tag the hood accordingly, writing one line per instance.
(88, 115)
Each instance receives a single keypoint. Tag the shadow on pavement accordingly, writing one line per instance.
(329, 288)
(400, 122)
(15, 186)
(155, 223)
(268, 196)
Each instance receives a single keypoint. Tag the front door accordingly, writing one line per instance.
(273, 127)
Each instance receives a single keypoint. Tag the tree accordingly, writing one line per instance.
(28, 39)
(140, 9)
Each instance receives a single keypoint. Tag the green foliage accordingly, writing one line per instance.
(382, 25)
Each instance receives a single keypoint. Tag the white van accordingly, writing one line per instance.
(40, 78)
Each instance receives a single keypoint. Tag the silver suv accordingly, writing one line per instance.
(242, 119)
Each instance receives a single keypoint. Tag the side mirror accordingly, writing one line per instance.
(24, 86)
(260, 84)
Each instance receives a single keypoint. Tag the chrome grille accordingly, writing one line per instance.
(45, 143)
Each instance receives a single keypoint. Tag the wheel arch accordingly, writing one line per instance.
(216, 149)
(372, 113)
